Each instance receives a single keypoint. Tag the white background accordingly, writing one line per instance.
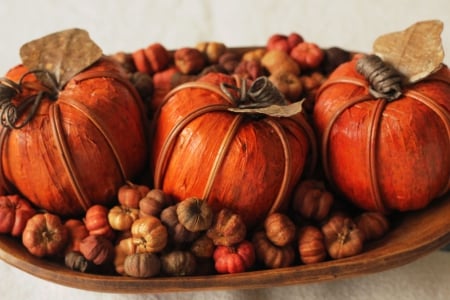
(129, 25)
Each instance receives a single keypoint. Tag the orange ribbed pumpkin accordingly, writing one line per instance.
(385, 155)
(79, 149)
(232, 160)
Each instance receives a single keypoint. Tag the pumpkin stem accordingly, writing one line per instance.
(385, 81)
(10, 113)
(261, 93)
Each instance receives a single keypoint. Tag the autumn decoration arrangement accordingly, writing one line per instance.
(209, 160)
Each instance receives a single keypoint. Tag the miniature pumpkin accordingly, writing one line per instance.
(246, 162)
(384, 154)
(45, 235)
(271, 255)
(77, 232)
(149, 234)
(234, 259)
(77, 149)
(142, 265)
(97, 223)
(14, 214)
(195, 214)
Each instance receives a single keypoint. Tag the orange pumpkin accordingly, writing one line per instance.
(245, 163)
(385, 155)
(76, 150)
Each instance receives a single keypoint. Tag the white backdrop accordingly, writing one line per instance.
(131, 24)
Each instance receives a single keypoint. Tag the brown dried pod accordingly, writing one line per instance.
(143, 83)
(311, 200)
(189, 60)
(142, 265)
(279, 229)
(195, 214)
(125, 60)
(153, 203)
(178, 263)
(250, 69)
(212, 50)
(202, 247)
(74, 260)
(256, 54)
(342, 237)
(97, 248)
(311, 245)
(289, 84)
(374, 225)
(271, 255)
(277, 61)
(228, 228)
(229, 61)
(177, 233)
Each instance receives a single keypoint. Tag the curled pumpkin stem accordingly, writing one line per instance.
(261, 93)
(385, 81)
(10, 112)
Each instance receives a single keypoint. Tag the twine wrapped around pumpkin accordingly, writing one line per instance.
(382, 154)
(67, 148)
(233, 160)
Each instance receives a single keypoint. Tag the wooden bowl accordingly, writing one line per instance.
(414, 234)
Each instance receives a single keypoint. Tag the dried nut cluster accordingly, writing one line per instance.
(295, 66)
(328, 232)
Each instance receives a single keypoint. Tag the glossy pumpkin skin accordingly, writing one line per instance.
(78, 150)
(246, 164)
(381, 155)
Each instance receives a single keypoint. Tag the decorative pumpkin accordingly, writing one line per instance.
(75, 145)
(385, 155)
(246, 162)
(45, 235)
(234, 259)
(142, 265)
(14, 214)
(149, 234)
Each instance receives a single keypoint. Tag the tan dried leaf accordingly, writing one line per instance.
(272, 110)
(64, 54)
(416, 52)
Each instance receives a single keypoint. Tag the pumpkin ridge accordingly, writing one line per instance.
(349, 80)
(166, 149)
(96, 121)
(439, 111)
(371, 150)
(327, 132)
(55, 122)
(3, 182)
(287, 174)
(231, 133)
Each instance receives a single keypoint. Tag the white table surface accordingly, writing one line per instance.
(129, 25)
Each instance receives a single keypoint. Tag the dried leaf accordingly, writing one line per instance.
(415, 52)
(272, 110)
(64, 54)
